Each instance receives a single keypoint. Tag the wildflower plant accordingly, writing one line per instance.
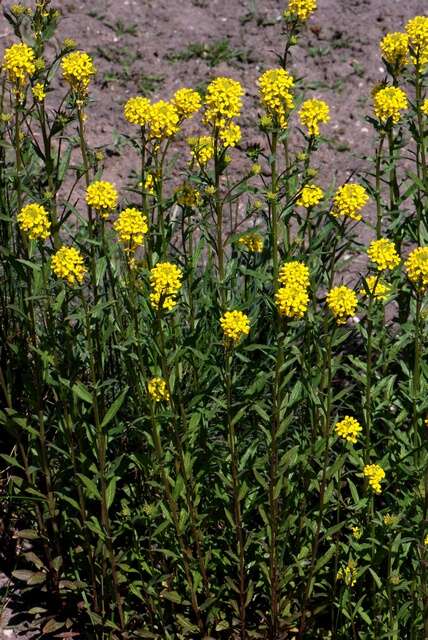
(212, 425)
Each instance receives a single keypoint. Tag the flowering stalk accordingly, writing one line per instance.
(378, 186)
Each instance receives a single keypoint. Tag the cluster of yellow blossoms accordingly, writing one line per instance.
(424, 107)
(399, 48)
(342, 302)
(300, 9)
(19, 62)
(377, 289)
(223, 102)
(158, 390)
(201, 148)
(188, 196)
(348, 201)
(384, 254)
(252, 241)
(235, 325)
(417, 268)
(417, 31)
(312, 113)
(375, 475)
(34, 220)
(348, 574)
(102, 197)
(388, 104)
(310, 196)
(77, 69)
(348, 429)
(162, 119)
(165, 283)
(68, 264)
(131, 227)
(390, 520)
(292, 297)
(39, 91)
(275, 85)
(357, 532)
(395, 49)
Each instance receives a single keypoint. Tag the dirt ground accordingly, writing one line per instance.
(153, 47)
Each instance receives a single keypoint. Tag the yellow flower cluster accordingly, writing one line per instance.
(163, 120)
(348, 574)
(165, 283)
(34, 220)
(202, 149)
(292, 297)
(394, 48)
(417, 267)
(384, 254)
(149, 184)
(311, 113)
(417, 30)
(388, 103)
(67, 263)
(342, 302)
(77, 68)
(230, 135)
(102, 196)
(235, 325)
(158, 390)
(426, 540)
(187, 102)
(389, 520)
(348, 201)
(357, 532)
(131, 227)
(378, 290)
(274, 87)
(348, 429)
(424, 107)
(252, 241)
(19, 63)
(375, 475)
(223, 101)
(188, 196)
(310, 196)
(137, 111)
(39, 91)
(300, 9)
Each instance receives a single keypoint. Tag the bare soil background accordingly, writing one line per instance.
(153, 47)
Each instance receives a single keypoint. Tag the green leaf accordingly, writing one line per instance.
(114, 408)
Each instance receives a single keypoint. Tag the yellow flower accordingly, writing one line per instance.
(19, 63)
(375, 475)
(102, 196)
(163, 120)
(252, 241)
(426, 540)
(300, 9)
(18, 10)
(230, 135)
(165, 283)
(342, 302)
(202, 149)
(34, 220)
(137, 110)
(357, 532)
(131, 227)
(292, 301)
(187, 102)
(348, 201)
(424, 107)
(223, 101)
(378, 290)
(394, 48)
(384, 254)
(69, 44)
(348, 574)
(389, 520)
(67, 263)
(39, 92)
(158, 390)
(149, 184)
(274, 87)
(310, 196)
(388, 103)
(311, 113)
(188, 196)
(348, 429)
(417, 268)
(294, 274)
(235, 325)
(77, 68)
(417, 30)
